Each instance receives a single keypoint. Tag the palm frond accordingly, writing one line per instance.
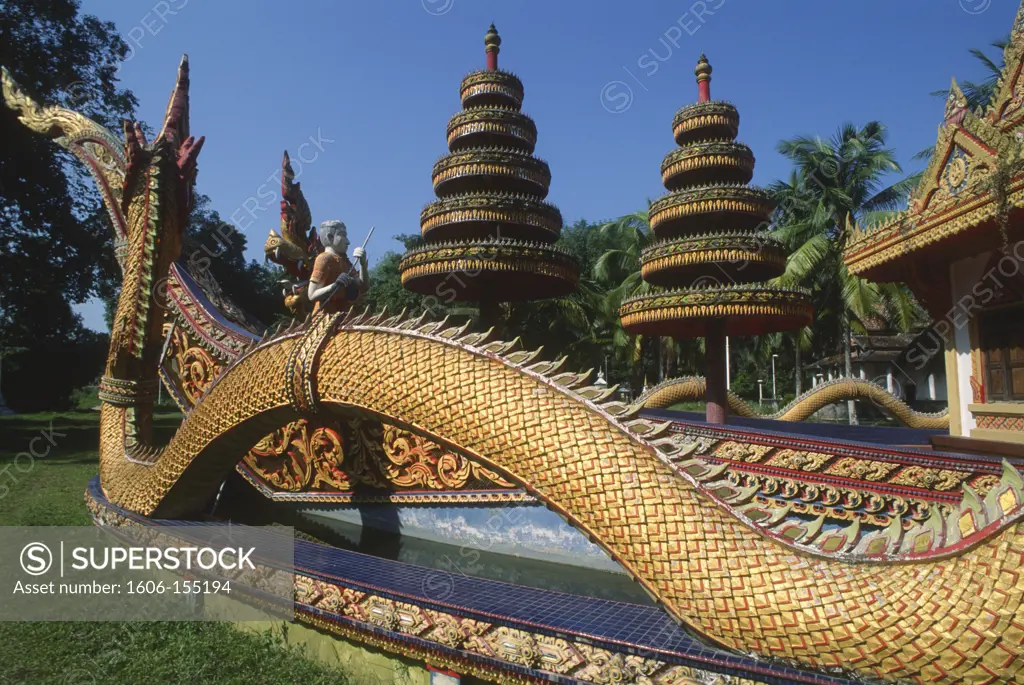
(805, 261)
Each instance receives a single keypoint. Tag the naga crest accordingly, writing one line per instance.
(295, 248)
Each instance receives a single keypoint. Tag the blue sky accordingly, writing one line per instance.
(366, 89)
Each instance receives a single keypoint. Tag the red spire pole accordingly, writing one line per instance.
(493, 42)
(703, 72)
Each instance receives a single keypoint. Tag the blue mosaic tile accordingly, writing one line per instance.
(616, 624)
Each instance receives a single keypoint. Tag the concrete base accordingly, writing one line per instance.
(364, 665)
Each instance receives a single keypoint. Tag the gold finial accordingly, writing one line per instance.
(703, 69)
(492, 40)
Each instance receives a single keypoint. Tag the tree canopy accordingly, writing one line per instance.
(53, 231)
(56, 241)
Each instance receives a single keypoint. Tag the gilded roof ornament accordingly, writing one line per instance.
(492, 40)
(703, 69)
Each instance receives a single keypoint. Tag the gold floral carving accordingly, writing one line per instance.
(413, 461)
(304, 456)
(799, 461)
(984, 484)
(862, 469)
(563, 656)
(932, 479)
(300, 456)
(195, 368)
(741, 451)
(956, 174)
(517, 646)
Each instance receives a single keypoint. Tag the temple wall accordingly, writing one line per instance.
(953, 389)
(992, 419)
(964, 275)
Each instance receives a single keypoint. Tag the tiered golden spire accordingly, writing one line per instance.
(489, 234)
(711, 248)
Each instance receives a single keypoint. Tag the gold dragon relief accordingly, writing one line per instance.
(415, 462)
(309, 455)
(190, 364)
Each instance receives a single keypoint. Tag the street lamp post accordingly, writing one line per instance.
(728, 374)
(3, 405)
(760, 392)
(774, 394)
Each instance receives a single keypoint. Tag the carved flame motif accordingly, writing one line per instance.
(413, 462)
(301, 456)
(327, 451)
(305, 456)
(196, 368)
(283, 458)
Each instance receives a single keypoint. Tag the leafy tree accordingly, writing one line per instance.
(572, 326)
(386, 287)
(837, 183)
(217, 246)
(618, 271)
(54, 236)
(52, 240)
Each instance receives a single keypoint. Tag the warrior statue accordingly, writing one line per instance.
(332, 286)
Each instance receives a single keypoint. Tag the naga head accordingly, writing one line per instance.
(155, 201)
(166, 168)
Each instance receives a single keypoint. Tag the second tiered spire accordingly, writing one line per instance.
(489, 233)
(710, 245)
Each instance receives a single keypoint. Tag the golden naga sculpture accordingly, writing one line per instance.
(692, 388)
(950, 611)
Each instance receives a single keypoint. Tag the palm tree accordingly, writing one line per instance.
(619, 269)
(620, 265)
(978, 95)
(837, 183)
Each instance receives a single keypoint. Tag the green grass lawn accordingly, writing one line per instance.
(49, 491)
